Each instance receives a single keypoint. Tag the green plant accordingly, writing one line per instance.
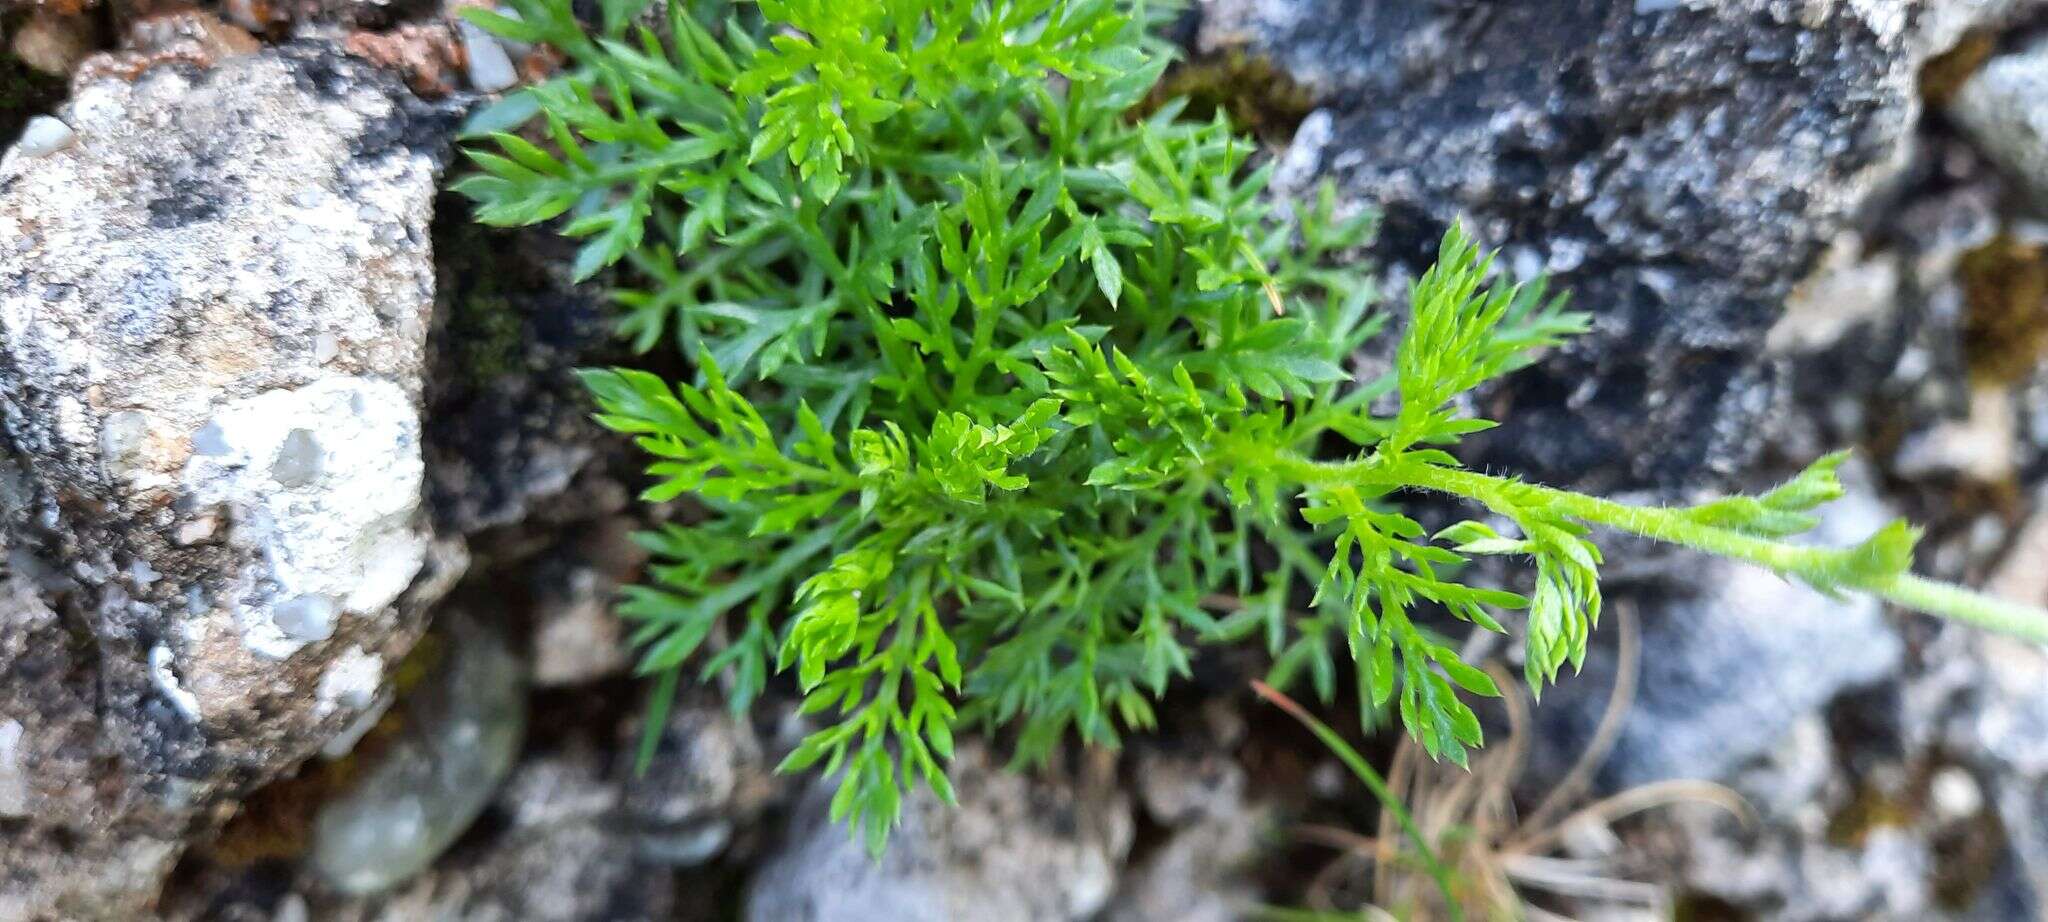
(1006, 398)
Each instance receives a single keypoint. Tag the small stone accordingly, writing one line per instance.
(298, 460)
(490, 68)
(685, 848)
(576, 638)
(309, 618)
(43, 136)
(2004, 109)
(196, 529)
(13, 785)
(292, 908)
(1954, 795)
(352, 682)
(462, 735)
(1015, 849)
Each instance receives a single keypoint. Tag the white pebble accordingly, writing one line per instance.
(44, 136)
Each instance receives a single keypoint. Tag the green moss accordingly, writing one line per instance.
(2005, 324)
(487, 334)
(1256, 95)
(1946, 73)
(1869, 810)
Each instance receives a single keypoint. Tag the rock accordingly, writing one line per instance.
(557, 853)
(196, 481)
(192, 37)
(1213, 832)
(461, 735)
(1680, 168)
(710, 774)
(1982, 446)
(576, 637)
(489, 67)
(1017, 849)
(424, 53)
(2004, 109)
(58, 854)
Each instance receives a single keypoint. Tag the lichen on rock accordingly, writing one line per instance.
(213, 312)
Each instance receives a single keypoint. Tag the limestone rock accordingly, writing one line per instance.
(213, 306)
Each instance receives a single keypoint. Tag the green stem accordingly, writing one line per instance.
(1813, 565)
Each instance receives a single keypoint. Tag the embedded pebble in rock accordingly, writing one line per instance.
(306, 618)
(1016, 849)
(188, 470)
(462, 733)
(337, 525)
(353, 683)
(44, 136)
(489, 67)
(298, 460)
(13, 787)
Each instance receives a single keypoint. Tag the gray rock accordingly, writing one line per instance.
(1016, 849)
(460, 740)
(57, 852)
(1213, 831)
(710, 773)
(2004, 109)
(490, 68)
(576, 637)
(1679, 167)
(163, 283)
(562, 852)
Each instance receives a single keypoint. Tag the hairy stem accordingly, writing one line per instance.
(1820, 566)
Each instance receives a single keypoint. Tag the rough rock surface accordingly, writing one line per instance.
(1015, 849)
(1213, 830)
(213, 308)
(1678, 166)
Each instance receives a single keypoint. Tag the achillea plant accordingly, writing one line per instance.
(1000, 389)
